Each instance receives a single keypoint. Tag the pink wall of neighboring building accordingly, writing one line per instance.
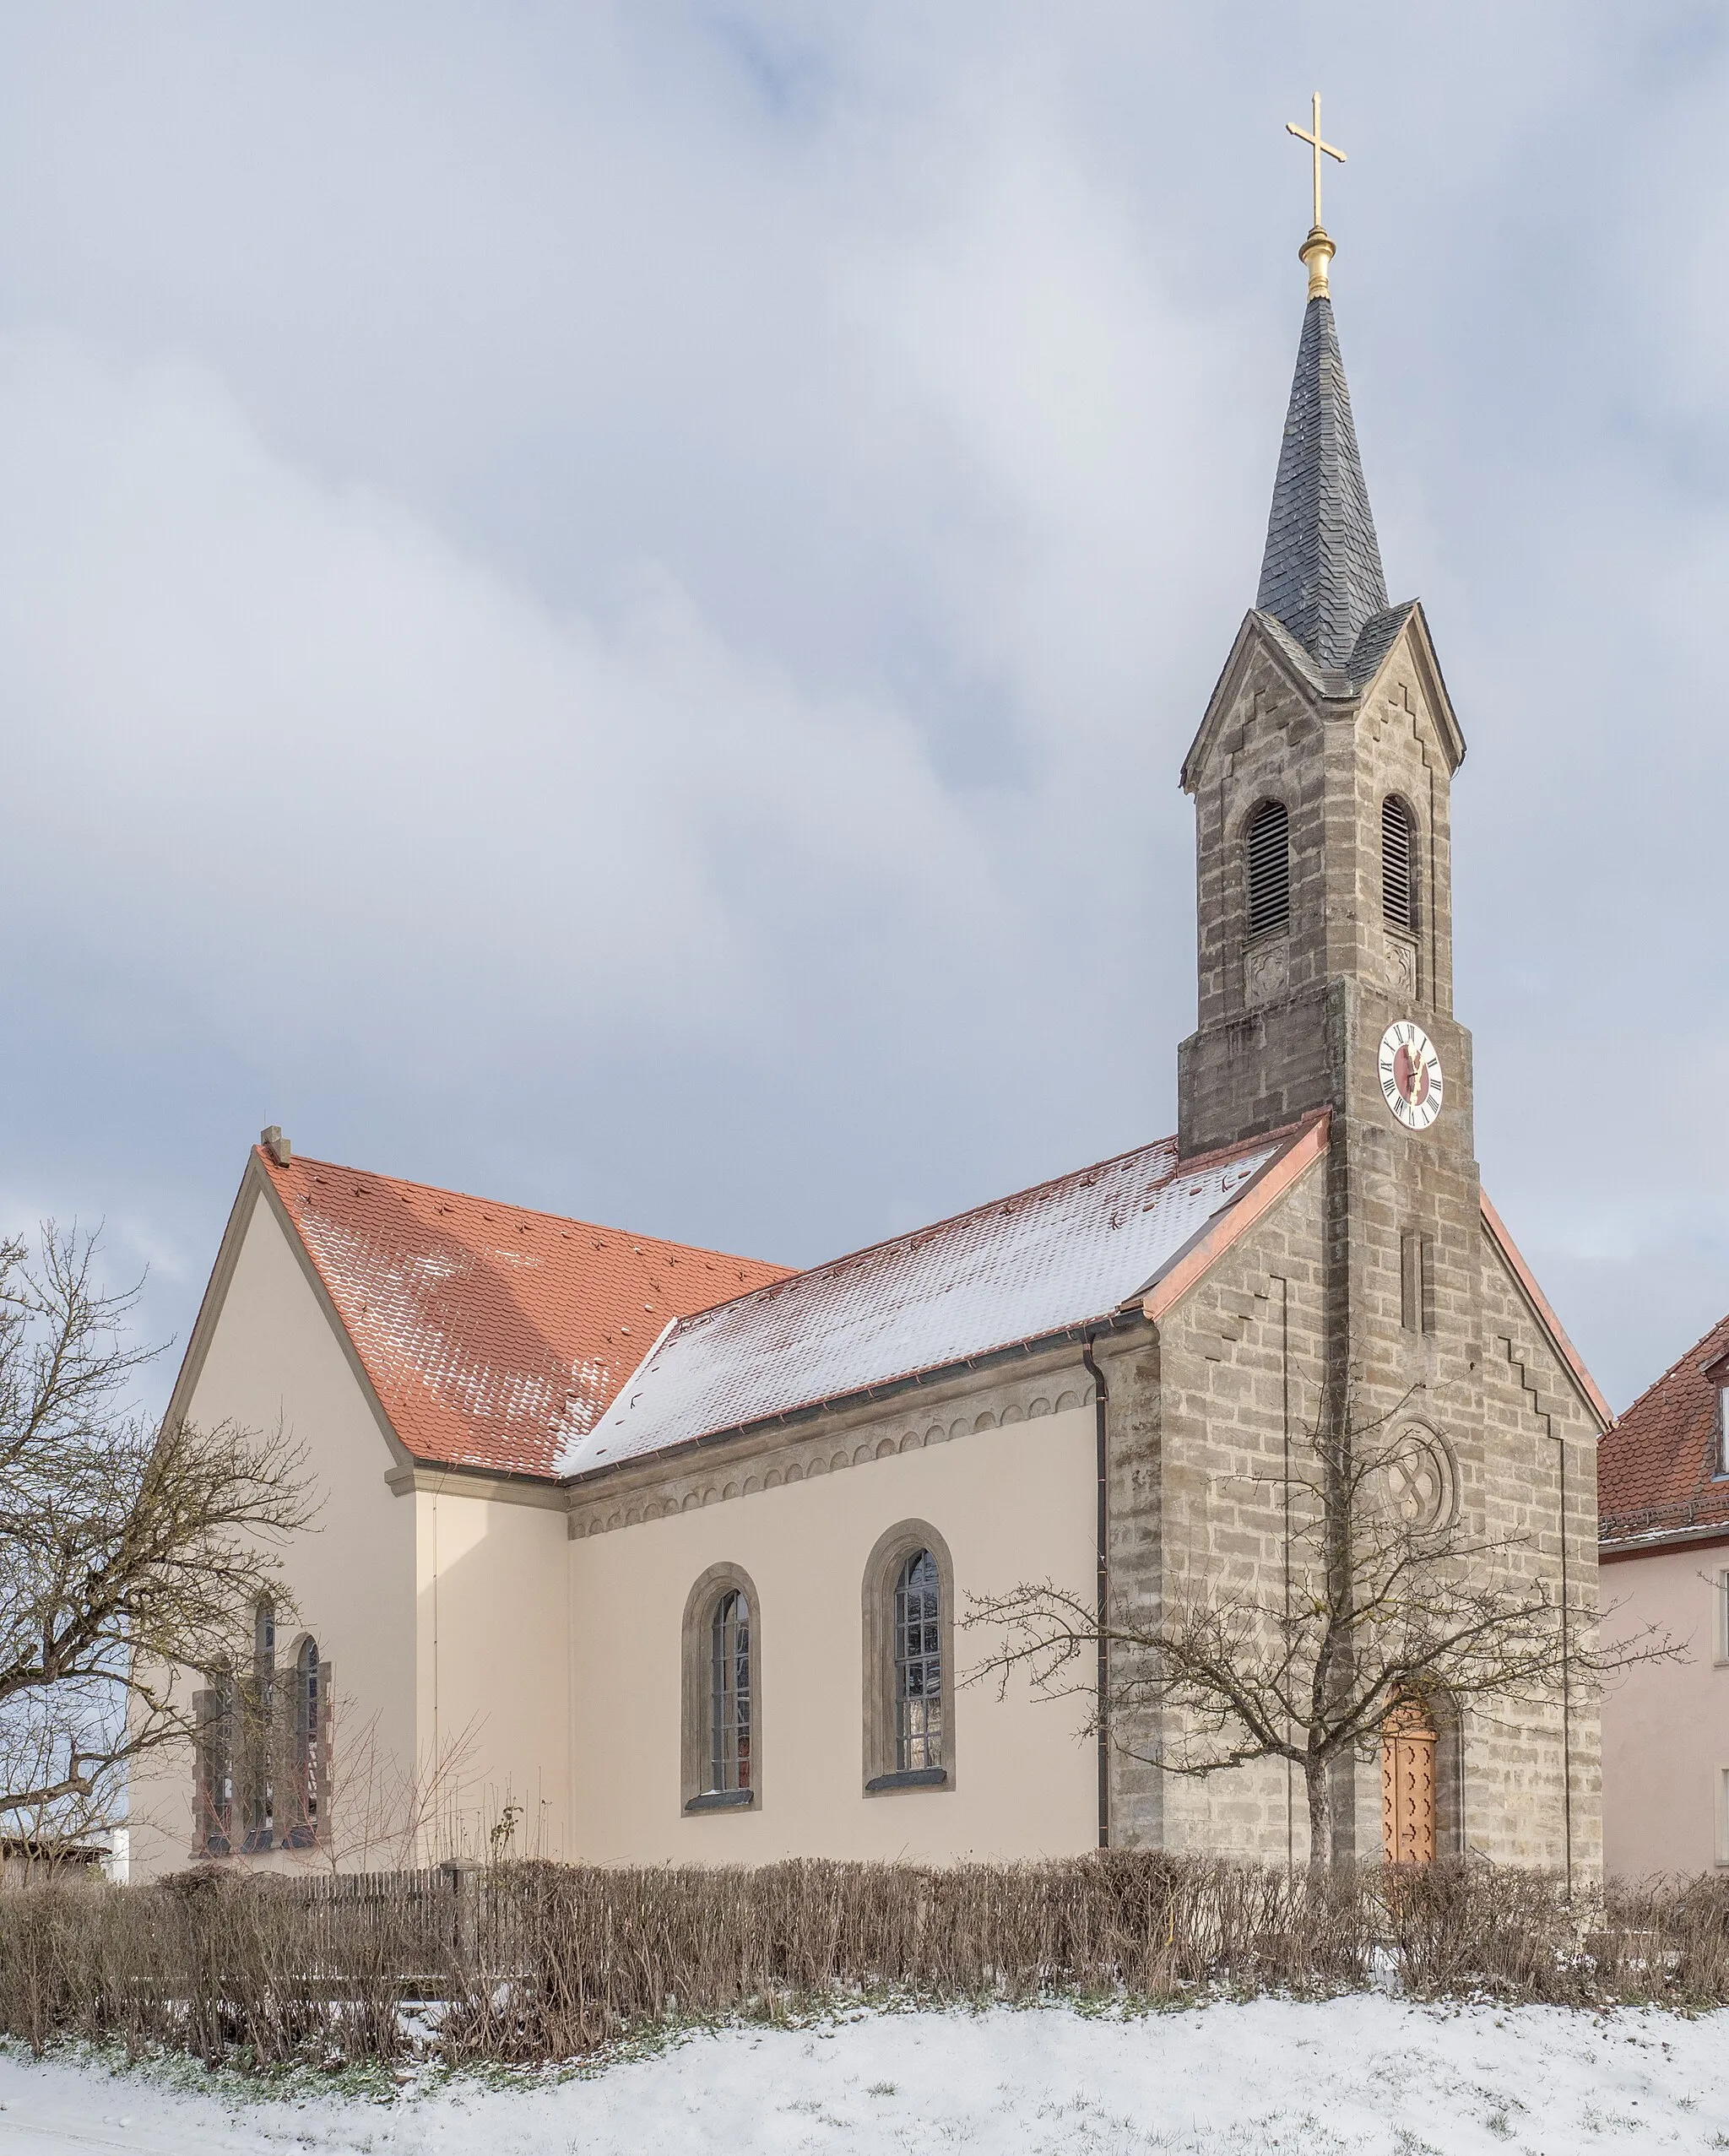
(1666, 1726)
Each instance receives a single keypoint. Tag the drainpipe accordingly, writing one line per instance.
(1100, 1397)
(1566, 1678)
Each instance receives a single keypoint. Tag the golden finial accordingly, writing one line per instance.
(1317, 251)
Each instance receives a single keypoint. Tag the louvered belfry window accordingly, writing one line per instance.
(1269, 867)
(1398, 865)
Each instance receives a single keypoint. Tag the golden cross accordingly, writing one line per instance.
(1314, 140)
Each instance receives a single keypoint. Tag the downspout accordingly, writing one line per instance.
(1285, 1388)
(1566, 1677)
(1100, 1397)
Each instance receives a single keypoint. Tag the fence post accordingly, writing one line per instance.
(460, 1877)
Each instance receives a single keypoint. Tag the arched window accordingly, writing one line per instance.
(213, 1786)
(917, 1664)
(723, 1662)
(730, 1694)
(909, 1732)
(1269, 863)
(262, 1733)
(1398, 865)
(308, 1766)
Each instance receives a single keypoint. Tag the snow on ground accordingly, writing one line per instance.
(1357, 2074)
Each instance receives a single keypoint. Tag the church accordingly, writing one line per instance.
(631, 1551)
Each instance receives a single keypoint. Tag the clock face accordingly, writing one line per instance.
(1411, 1074)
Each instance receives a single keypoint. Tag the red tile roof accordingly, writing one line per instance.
(1653, 1468)
(492, 1336)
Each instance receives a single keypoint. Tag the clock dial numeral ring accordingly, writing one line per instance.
(1410, 1078)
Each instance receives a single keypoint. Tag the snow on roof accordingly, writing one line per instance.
(492, 1336)
(1063, 1254)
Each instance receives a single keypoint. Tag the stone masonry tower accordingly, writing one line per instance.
(1322, 776)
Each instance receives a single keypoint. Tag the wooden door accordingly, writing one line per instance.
(1408, 1788)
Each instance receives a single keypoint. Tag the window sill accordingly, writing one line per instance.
(913, 1778)
(722, 1800)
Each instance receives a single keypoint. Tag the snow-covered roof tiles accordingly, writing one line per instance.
(1062, 1255)
(492, 1336)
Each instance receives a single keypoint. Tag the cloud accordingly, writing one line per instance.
(604, 604)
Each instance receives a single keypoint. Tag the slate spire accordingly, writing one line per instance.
(1321, 573)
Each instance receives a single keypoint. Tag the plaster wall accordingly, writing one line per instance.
(271, 1359)
(493, 1685)
(1665, 1726)
(1013, 1503)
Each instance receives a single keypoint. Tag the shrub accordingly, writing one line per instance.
(532, 1961)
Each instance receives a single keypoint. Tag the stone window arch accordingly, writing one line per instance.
(1401, 895)
(722, 1709)
(1267, 868)
(909, 1661)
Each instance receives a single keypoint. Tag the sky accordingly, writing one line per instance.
(601, 604)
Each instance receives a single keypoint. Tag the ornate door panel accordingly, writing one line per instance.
(1408, 1790)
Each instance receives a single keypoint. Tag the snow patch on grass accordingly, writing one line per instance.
(1371, 2074)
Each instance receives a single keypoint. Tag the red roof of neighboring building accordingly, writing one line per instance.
(492, 1336)
(1655, 1467)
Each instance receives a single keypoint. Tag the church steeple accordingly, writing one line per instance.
(1321, 575)
(1322, 776)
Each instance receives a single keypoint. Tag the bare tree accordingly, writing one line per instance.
(1388, 1602)
(383, 1813)
(130, 1555)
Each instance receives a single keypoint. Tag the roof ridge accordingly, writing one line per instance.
(510, 1205)
(1179, 1167)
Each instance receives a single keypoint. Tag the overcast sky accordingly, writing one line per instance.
(600, 603)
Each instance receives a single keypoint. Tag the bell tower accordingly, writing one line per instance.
(1322, 778)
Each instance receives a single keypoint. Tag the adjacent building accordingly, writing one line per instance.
(1665, 1556)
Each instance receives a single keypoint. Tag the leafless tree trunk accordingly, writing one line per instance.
(1385, 1612)
(131, 1556)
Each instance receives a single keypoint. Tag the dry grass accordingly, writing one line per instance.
(536, 1962)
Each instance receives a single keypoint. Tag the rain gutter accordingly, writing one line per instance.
(1020, 1351)
(1101, 1395)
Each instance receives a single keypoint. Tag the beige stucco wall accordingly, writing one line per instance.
(1013, 1503)
(443, 1614)
(1665, 1726)
(492, 1698)
(272, 1357)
